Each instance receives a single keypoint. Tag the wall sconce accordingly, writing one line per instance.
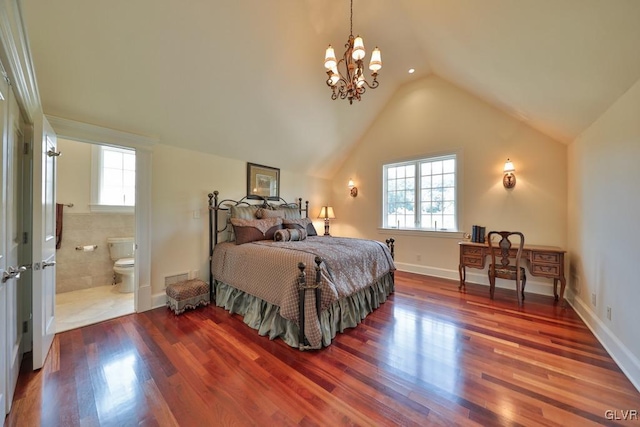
(509, 179)
(326, 213)
(353, 188)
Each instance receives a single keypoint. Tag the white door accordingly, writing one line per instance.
(14, 142)
(44, 239)
(4, 107)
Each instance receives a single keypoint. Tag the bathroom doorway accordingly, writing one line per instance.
(95, 208)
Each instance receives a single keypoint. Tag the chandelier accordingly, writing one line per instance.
(350, 82)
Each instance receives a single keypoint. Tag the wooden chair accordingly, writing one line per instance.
(503, 269)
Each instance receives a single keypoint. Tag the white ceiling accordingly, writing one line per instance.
(245, 78)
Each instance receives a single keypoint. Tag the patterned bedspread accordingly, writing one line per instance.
(268, 270)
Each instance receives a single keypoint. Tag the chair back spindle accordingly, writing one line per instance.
(504, 269)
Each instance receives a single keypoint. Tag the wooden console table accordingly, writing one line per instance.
(543, 261)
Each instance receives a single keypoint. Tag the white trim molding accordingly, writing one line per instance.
(16, 57)
(85, 132)
(626, 360)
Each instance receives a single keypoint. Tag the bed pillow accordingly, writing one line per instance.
(290, 210)
(301, 224)
(244, 212)
(290, 235)
(270, 213)
(251, 230)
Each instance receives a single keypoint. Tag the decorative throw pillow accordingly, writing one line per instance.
(251, 230)
(269, 213)
(302, 224)
(290, 235)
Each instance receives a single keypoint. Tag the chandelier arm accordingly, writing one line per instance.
(374, 84)
(347, 59)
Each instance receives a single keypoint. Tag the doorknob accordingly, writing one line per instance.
(18, 270)
(12, 273)
(6, 276)
(52, 153)
(48, 264)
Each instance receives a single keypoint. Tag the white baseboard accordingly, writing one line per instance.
(159, 300)
(533, 286)
(626, 360)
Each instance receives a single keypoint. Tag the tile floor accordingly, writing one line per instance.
(87, 306)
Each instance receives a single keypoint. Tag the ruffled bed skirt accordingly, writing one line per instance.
(342, 314)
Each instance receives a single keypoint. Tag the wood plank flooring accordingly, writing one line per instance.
(429, 356)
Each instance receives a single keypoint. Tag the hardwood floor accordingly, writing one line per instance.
(429, 355)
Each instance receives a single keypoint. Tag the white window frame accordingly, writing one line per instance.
(416, 162)
(96, 178)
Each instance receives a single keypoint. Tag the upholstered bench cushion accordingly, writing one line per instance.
(187, 294)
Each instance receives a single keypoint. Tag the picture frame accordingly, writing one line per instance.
(263, 182)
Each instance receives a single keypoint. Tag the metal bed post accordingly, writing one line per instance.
(213, 236)
(302, 290)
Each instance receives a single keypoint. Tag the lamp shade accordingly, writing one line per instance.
(358, 49)
(376, 60)
(330, 58)
(508, 166)
(326, 213)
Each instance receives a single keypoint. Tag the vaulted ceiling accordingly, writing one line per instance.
(245, 79)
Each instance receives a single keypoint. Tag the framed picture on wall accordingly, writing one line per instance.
(263, 182)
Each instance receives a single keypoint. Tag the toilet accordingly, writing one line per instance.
(121, 250)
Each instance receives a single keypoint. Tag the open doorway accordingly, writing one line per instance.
(95, 233)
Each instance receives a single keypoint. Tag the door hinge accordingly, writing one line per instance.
(25, 326)
(26, 148)
(25, 238)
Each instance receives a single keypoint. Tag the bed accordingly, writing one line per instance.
(268, 264)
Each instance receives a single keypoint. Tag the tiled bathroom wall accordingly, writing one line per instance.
(79, 269)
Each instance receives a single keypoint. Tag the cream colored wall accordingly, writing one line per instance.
(431, 116)
(604, 210)
(74, 175)
(181, 181)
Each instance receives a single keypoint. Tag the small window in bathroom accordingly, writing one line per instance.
(113, 179)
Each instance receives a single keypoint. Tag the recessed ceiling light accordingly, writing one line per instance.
(411, 71)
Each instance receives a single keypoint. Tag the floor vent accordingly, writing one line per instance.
(170, 280)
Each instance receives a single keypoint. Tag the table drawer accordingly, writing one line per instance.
(547, 257)
(545, 270)
(470, 250)
(474, 261)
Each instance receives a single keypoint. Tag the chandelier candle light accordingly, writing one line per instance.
(351, 83)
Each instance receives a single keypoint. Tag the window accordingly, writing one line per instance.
(421, 194)
(113, 186)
